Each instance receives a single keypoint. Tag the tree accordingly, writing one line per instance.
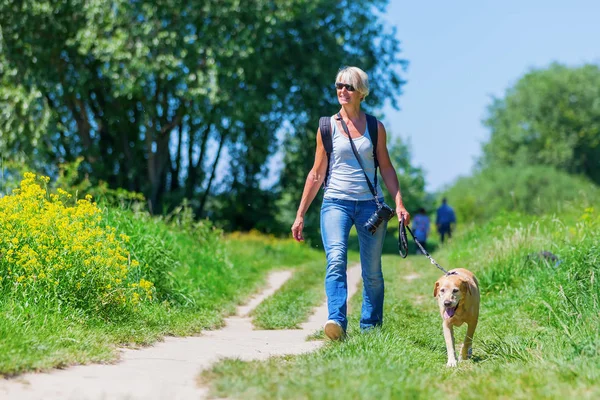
(532, 189)
(24, 116)
(549, 117)
(410, 177)
(154, 94)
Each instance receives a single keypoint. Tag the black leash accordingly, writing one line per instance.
(403, 244)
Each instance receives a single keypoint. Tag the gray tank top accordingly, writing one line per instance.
(346, 179)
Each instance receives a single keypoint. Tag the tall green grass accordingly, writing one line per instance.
(197, 277)
(537, 335)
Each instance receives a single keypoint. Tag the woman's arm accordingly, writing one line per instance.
(314, 180)
(388, 173)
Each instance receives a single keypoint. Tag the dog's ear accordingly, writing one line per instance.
(465, 287)
(435, 289)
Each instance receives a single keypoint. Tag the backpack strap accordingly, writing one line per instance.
(326, 137)
(325, 128)
(374, 133)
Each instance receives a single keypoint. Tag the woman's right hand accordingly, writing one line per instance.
(297, 228)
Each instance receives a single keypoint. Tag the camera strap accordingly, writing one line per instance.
(371, 186)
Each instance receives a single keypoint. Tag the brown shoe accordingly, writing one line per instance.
(333, 330)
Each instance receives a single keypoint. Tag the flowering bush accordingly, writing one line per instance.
(56, 249)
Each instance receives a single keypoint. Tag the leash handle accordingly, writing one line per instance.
(402, 239)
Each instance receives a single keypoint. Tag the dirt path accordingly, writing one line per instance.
(169, 369)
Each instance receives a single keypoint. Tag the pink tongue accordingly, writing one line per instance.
(450, 312)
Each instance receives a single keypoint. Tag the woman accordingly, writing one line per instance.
(349, 201)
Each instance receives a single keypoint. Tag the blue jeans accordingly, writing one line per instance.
(337, 217)
(445, 229)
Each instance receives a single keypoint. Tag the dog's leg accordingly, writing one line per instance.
(449, 337)
(465, 351)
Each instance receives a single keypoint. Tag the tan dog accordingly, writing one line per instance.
(457, 293)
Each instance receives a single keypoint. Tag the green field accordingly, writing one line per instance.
(537, 335)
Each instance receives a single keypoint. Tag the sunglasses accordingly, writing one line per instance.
(340, 86)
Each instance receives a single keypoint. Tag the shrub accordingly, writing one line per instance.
(55, 249)
(563, 295)
(533, 190)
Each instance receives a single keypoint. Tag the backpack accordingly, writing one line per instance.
(325, 127)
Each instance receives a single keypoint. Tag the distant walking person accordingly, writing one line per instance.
(420, 227)
(444, 220)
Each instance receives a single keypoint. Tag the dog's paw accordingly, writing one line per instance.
(466, 354)
(451, 363)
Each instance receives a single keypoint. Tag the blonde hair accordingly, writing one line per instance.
(356, 77)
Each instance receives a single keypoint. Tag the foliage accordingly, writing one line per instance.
(56, 250)
(560, 294)
(197, 278)
(24, 115)
(526, 189)
(410, 177)
(158, 106)
(551, 117)
(71, 178)
(11, 174)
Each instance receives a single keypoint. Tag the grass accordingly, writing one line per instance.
(57, 339)
(293, 303)
(537, 336)
(200, 277)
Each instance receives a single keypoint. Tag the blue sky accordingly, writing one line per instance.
(461, 53)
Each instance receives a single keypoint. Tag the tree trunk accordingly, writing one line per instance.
(212, 174)
(177, 169)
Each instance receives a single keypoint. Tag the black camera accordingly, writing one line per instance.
(383, 213)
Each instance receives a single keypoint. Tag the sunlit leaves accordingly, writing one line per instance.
(550, 117)
(150, 92)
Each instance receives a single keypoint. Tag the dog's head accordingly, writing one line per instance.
(450, 289)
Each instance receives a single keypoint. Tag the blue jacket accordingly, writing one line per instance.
(420, 223)
(445, 215)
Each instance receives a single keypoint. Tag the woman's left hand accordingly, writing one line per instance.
(401, 212)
